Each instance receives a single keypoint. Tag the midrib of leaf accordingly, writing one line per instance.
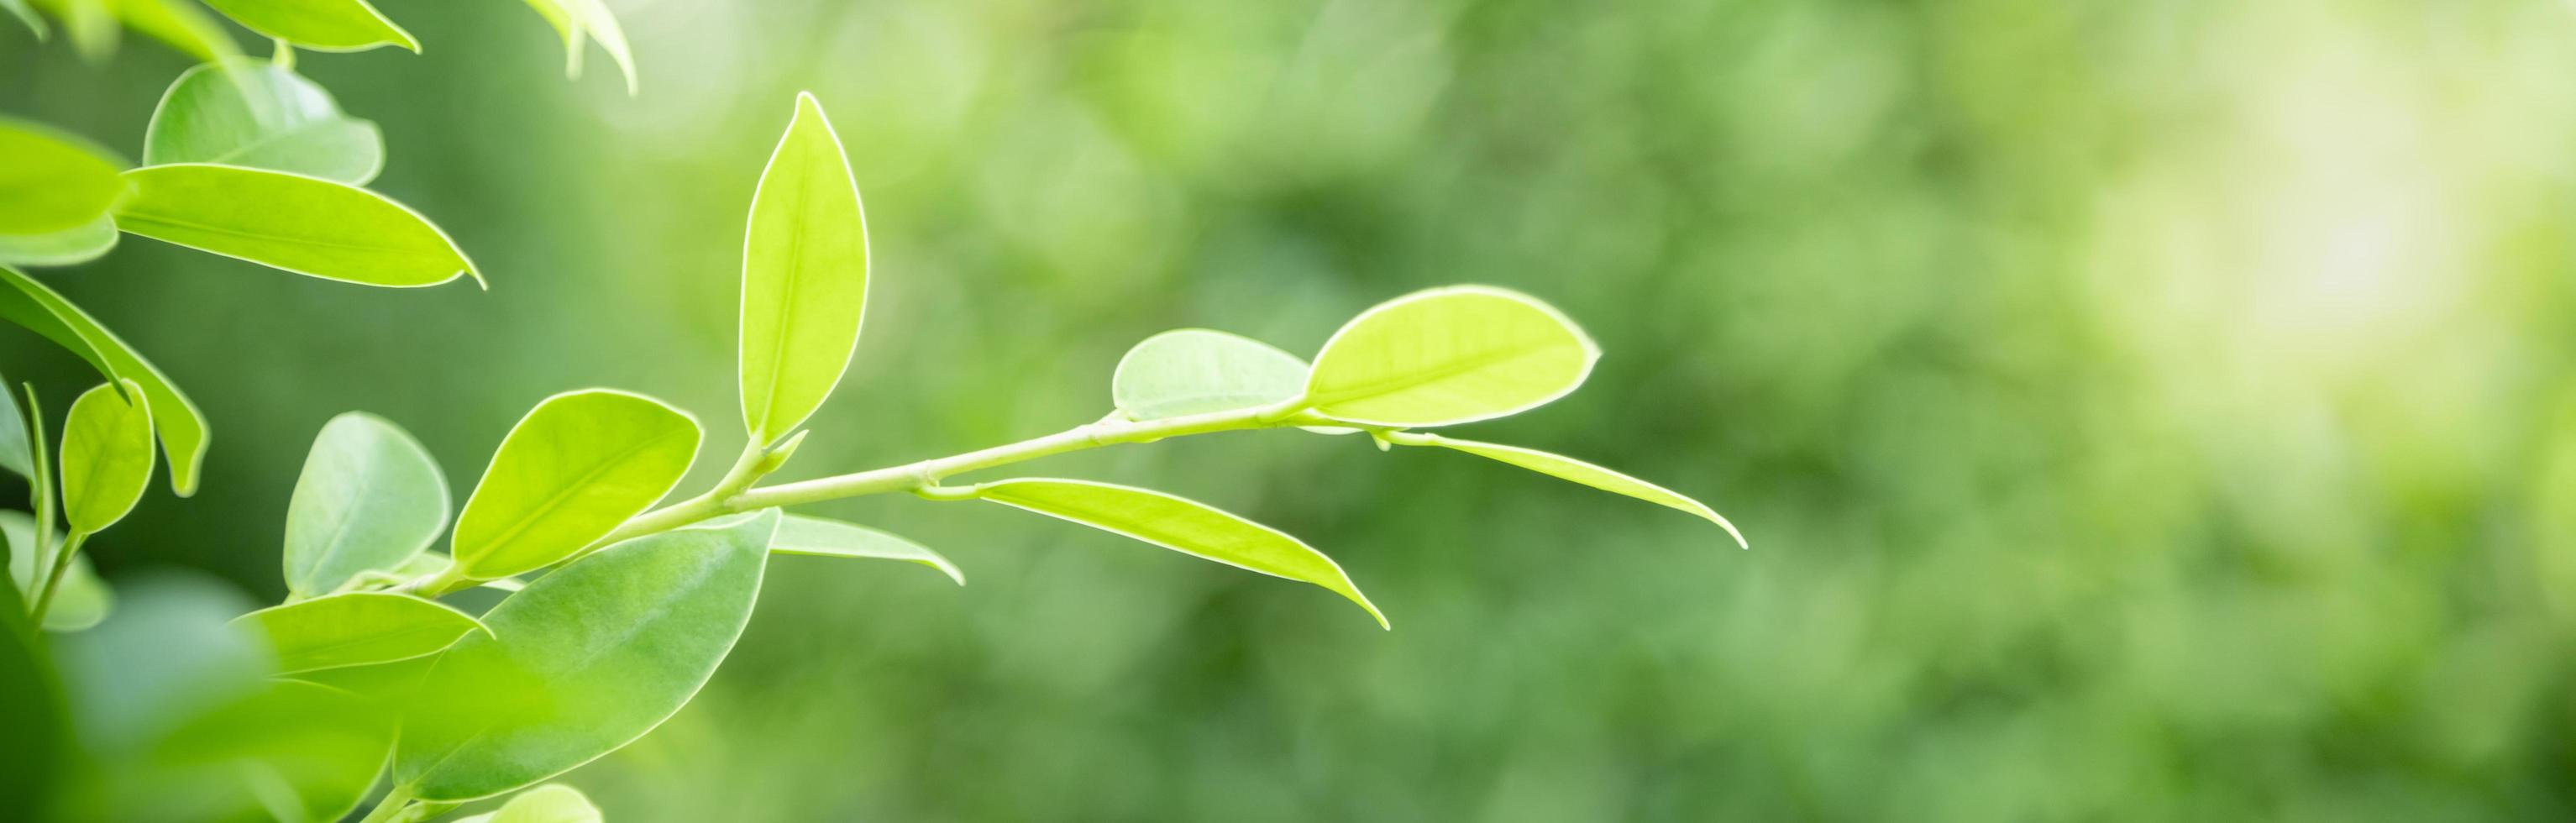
(556, 499)
(264, 142)
(698, 579)
(787, 314)
(249, 235)
(1390, 385)
(372, 639)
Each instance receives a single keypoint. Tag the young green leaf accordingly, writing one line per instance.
(369, 499)
(107, 456)
(1194, 371)
(1179, 524)
(550, 803)
(54, 181)
(78, 244)
(183, 26)
(320, 25)
(573, 19)
(83, 600)
(1448, 355)
(175, 418)
(35, 24)
(585, 660)
(804, 276)
(1567, 468)
(816, 536)
(577, 466)
(262, 115)
(14, 453)
(306, 225)
(357, 629)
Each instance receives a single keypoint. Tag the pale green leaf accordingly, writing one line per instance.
(1179, 524)
(584, 661)
(577, 466)
(14, 453)
(83, 600)
(357, 629)
(1567, 468)
(320, 25)
(262, 115)
(175, 418)
(1448, 355)
(831, 538)
(35, 24)
(591, 17)
(1194, 371)
(804, 277)
(106, 454)
(79, 244)
(370, 498)
(550, 803)
(306, 225)
(289, 750)
(565, 29)
(53, 181)
(184, 26)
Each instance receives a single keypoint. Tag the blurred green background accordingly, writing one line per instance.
(2140, 410)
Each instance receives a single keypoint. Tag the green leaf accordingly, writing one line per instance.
(54, 181)
(107, 456)
(84, 599)
(1178, 524)
(31, 708)
(587, 659)
(577, 466)
(573, 19)
(14, 454)
(1448, 355)
(79, 244)
(320, 25)
(175, 418)
(35, 24)
(306, 225)
(369, 499)
(550, 803)
(92, 25)
(262, 115)
(804, 277)
(1194, 371)
(290, 751)
(358, 629)
(831, 538)
(1567, 468)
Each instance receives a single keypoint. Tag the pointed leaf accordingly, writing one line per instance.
(577, 466)
(320, 25)
(550, 803)
(804, 277)
(585, 660)
(83, 600)
(370, 498)
(35, 24)
(1567, 468)
(831, 538)
(1449, 355)
(107, 456)
(306, 225)
(1179, 524)
(1194, 371)
(261, 115)
(79, 244)
(573, 19)
(357, 629)
(54, 181)
(181, 426)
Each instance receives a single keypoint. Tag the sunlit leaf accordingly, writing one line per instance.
(78, 244)
(14, 454)
(804, 277)
(320, 25)
(306, 225)
(262, 115)
(35, 24)
(53, 181)
(1567, 468)
(357, 629)
(578, 465)
(1179, 524)
(585, 660)
(370, 498)
(184, 26)
(107, 456)
(575, 19)
(83, 600)
(816, 536)
(550, 803)
(1193, 371)
(181, 426)
(1448, 355)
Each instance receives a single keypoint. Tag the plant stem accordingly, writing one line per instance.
(54, 579)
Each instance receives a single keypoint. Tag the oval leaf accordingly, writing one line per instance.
(320, 25)
(83, 600)
(262, 115)
(1567, 468)
(1450, 355)
(585, 660)
(804, 277)
(107, 456)
(78, 244)
(550, 803)
(1194, 371)
(370, 498)
(357, 629)
(577, 466)
(306, 225)
(175, 418)
(832, 538)
(1179, 524)
(53, 181)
